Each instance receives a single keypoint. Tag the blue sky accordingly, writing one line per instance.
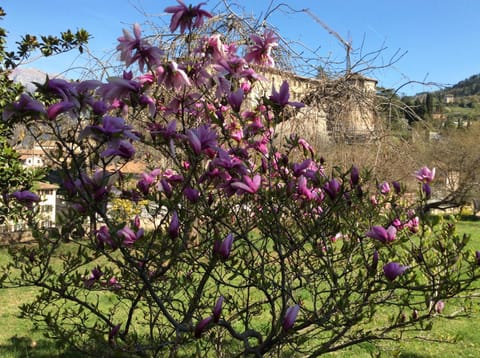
(440, 37)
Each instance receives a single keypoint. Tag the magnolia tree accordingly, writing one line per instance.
(239, 245)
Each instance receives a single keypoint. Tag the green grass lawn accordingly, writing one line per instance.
(448, 338)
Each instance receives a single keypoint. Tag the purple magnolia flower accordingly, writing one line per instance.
(202, 326)
(290, 317)
(477, 257)
(224, 248)
(381, 234)
(193, 195)
(183, 16)
(121, 148)
(393, 269)
(202, 138)
(25, 105)
(332, 188)
(174, 227)
(217, 310)
(147, 181)
(281, 98)
(427, 190)
(260, 52)
(118, 88)
(104, 238)
(425, 175)
(25, 197)
(144, 52)
(94, 277)
(67, 91)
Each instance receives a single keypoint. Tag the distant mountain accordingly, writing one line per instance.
(26, 76)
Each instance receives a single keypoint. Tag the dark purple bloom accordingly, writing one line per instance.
(381, 234)
(290, 317)
(397, 187)
(393, 269)
(217, 310)
(183, 16)
(374, 260)
(477, 257)
(174, 227)
(281, 98)
(202, 326)
(191, 194)
(224, 248)
(427, 190)
(114, 332)
(332, 188)
(64, 89)
(354, 176)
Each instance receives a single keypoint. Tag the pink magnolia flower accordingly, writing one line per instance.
(290, 317)
(104, 238)
(129, 236)
(425, 175)
(381, 234)
(384, 188)
(118, 88)
(183, 16)
(260, 52)
(172, 76)
(332, 188)
(247, 185)
(144, 52)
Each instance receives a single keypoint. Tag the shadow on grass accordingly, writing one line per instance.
(27, 347)
(470, 218)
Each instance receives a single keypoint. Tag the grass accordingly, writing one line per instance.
(448, 338)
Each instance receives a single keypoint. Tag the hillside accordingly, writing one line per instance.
(467, 87)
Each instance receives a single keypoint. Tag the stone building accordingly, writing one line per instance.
(339, 110)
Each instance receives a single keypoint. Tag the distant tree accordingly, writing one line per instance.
(429, 109)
